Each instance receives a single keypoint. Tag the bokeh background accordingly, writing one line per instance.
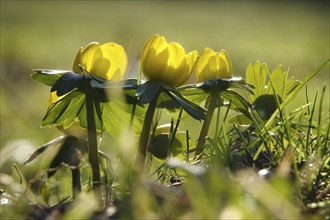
(47, 34)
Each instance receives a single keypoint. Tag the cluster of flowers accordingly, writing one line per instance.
(160, 61)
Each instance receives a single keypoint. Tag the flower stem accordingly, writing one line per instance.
(206, 126)
(92, 140)
(76, 184)
(145, 136)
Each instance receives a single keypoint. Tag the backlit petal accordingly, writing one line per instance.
(88, 54)
(201, 67)
(166, 63)
(77, 62)
(191, 59)
(109, 62)
(155, 57)
(54, 98)
(229, 68)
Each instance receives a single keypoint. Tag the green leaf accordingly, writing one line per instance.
(117, 117)
(240, 119)
(195, 95)
(51, 143)
(297, 88)
(191, 108)
(126, 84)
(65, 111)
(69, 153)
(278, 78)
(265, 105)
(257, 76)
(223, 84)
(165, 101)
(237, 101)
(67, 83)
(148, 91)
(47, 77)
(291, 84)
(161, 148)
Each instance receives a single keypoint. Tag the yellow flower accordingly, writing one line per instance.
(165, 62)
(107, 61)
(213, 65)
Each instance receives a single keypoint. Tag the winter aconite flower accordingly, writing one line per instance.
(107, 61)
(213, 65)
(165, 62)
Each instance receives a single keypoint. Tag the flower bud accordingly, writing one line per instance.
(165, 62)
(213, 65)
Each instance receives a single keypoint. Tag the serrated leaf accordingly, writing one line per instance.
(67, 83)
(291, 84)
(278, 79)
(257, 76)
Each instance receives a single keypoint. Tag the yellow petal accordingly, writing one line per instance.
(155, 57)
(109, 62)
(155, 65)
(176, 55)
(99, 64)
(202, 64)
(164, 62)
(186, 70)
(229, 68)
(77, 62)
(176, 63)
(191, 59)
(88, 54)
(147, 45)
(54, 98)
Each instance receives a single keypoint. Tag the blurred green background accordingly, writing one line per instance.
(47, 34)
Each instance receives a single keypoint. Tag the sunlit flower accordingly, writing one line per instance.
(213, 65)
(165, 62)
(107, 61)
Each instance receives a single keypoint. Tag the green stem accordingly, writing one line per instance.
(145, 135)
(206, 126)
(92, 139)
(76, 184)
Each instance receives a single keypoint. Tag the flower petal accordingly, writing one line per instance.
(187, 66)
(155, 57)
(202, 64)
(166, 63)
(54, 98)
(77, 62)
(109, 62)
(191, 59)
(229, 67)
(88, 54)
